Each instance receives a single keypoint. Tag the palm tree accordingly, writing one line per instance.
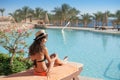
(65, 13)
(2, 11)
(65, 9)
(97, 17)
(39, 13)
(30, 14)
(72, 16)
(25, 11)
(116, 21)
(75, 20)
(86, 19)
(14, 16)
(17, 15)
(105, 18)
(107, 14)
(58, 15)
(117, 14)
(62, 12)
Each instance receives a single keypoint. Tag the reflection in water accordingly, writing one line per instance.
(104, 42)
(63, 35)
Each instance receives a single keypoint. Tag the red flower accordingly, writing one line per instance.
(19, 30)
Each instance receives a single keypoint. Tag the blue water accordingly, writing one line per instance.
(100, 53)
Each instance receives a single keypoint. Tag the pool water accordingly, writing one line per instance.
(98, 52)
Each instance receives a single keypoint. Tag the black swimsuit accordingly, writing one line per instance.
(35, 61)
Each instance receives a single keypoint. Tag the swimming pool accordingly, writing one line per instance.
(100, 53)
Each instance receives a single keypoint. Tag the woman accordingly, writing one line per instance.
(38, 53)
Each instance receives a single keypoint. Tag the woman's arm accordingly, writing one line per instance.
(50, 60)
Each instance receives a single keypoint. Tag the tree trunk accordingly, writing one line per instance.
(85, 24)
(106, 19)
(54, 22)
(76, 23)
(12, 57)
(2, 14)
(30, 19)
(61, 22)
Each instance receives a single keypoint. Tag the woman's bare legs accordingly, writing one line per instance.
(58, 62)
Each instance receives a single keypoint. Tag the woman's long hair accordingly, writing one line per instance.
(36, 47)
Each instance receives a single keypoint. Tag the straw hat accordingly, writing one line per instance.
(40, 34)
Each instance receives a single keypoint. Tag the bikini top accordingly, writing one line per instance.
(35, 61)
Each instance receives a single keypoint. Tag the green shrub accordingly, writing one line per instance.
(18, 65)
(4, 64)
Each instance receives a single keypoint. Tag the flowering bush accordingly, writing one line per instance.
(13, 40)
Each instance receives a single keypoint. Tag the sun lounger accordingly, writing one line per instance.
(118, 29)
(104, 27)
(67, 71)
(96, 27)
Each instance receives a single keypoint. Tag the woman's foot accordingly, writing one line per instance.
(65, 58)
